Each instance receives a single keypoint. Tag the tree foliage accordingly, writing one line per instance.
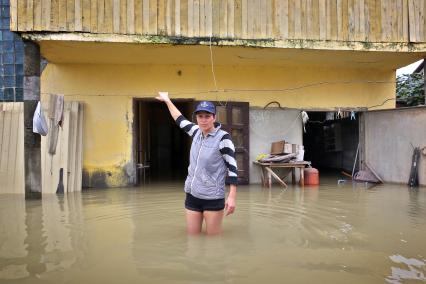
(410, 89)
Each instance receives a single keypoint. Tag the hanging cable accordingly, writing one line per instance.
(273, 102)
(245, 90)
(385, 101)
(212, 64)
(213, 73)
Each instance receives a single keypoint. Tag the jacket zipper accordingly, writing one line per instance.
(196, 163)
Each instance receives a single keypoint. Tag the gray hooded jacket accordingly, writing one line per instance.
(212, 161)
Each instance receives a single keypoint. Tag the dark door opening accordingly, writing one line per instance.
(331, 142)
(162, 149)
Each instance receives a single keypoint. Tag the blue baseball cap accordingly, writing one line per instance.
(206, 106)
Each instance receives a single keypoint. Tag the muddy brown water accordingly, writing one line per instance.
(331, 234)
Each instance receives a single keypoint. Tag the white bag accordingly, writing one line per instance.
(39, 121)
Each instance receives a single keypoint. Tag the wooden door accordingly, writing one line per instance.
(234, 117)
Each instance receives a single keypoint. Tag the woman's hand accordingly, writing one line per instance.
(230, 201)
(163, 96)
(230, 205)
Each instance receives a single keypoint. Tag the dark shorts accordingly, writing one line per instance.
(200, 205)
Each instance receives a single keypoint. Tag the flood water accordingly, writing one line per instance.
(331, 234)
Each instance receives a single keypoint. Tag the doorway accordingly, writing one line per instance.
(161, 148)
(331, 141)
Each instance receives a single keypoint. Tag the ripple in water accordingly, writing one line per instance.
(329, 234)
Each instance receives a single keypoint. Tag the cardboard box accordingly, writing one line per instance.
(277, 148)
(287, 148)
(281, 147)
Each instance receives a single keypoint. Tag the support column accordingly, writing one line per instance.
(32, 149)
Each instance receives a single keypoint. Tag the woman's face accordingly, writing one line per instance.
(205, 121)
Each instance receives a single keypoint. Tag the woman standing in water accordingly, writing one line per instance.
(212, 165)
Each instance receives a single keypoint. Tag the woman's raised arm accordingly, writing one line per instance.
(164, 97)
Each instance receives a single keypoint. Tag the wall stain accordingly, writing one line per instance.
(216, 41)
(117, 176)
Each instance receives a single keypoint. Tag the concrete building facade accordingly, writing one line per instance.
(314, 57)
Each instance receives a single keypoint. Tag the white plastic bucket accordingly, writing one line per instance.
(300, 154)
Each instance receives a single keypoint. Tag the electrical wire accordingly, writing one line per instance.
(212, 64)
(213, 73)
(248, 90)
(273, 102)
(385, 101)
(217, 90)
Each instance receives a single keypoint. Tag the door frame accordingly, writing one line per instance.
(136, 127)
(245, 127)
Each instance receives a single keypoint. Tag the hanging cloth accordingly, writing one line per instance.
(305, 119)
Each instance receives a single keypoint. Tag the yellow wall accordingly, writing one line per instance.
(107, 91)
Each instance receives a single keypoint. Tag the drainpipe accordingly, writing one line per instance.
(32, 148)
(424, 78)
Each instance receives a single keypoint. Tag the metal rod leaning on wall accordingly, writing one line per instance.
(355, 161)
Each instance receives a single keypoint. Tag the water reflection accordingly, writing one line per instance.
(331, 234)
(13, 235)
(161, 247)
(38, 237)
(416, 206)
